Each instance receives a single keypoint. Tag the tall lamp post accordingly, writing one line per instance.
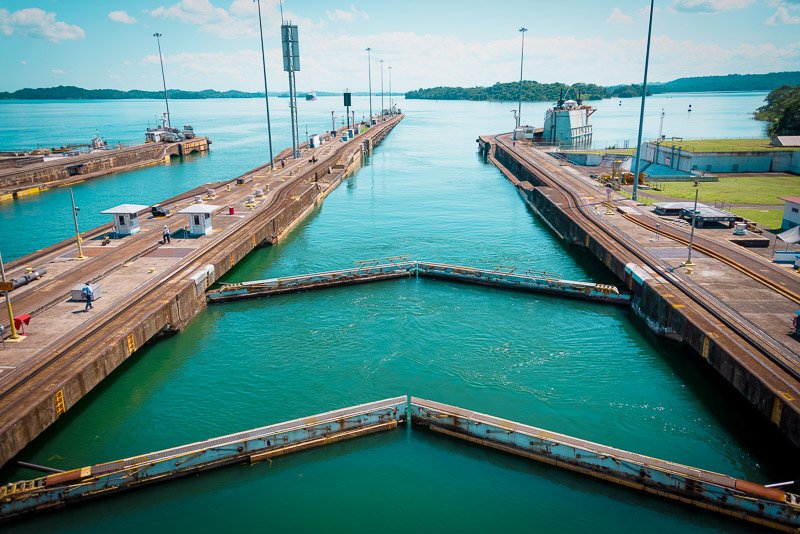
(369, 71)
(521, 60)
(163, 78)
(77, 231)
(14, 335)
(391, 106)
(688, 263)
(382, 108)
(266, 90)
(641, 112)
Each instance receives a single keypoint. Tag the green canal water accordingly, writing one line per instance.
(584, 369)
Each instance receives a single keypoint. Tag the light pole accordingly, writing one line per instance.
(369, 71)
(391, 107)
(381, 62)
(14, 335)
(688, 262)
(641, 112)
(521, 60)
(77, 232)
(333, 122)
(163, 79)
(266, 90)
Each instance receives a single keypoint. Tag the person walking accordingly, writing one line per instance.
(165, 233)
(89, 295)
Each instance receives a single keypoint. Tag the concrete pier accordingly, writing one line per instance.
(31, 179)
(148, 287)
(732, 307)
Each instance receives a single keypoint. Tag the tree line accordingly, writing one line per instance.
(782, 110)
(533, 91)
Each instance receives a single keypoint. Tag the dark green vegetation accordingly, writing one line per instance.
(531, 91)
(782, 110)
(535, 91)
(70, 92)
(730, 82)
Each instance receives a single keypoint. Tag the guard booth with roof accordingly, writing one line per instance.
(199, 218)
(126, 218)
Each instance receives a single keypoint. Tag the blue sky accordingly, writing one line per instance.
(214, 43)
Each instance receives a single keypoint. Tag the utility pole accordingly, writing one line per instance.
(641, 112)
(688, 263)
(369, 71)
(333, 122)
(14, 335)
(266, 90)
(382, 108)
(77, 232)
(521, 60)
(163, 79)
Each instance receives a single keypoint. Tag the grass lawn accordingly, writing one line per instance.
(724, 145)
(763, 189)
(625, 151)
(769, 219)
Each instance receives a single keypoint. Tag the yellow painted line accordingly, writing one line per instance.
(678, 305)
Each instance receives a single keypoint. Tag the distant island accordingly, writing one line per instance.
(70, 92)
(533, 91)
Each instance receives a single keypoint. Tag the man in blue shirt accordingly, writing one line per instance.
(89, 294)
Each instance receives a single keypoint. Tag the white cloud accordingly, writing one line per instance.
(618, 17)
(211, 19)
(37, 23)
(782, 16)
(199, 70)
(452, 61)
(710, 6)
(339, 15)
(121, 16)
(57, 72)
(240, 20)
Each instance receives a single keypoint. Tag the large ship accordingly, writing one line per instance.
(568, 123)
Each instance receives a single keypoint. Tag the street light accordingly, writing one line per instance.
(14, 335)
(688, 263)
(369, 71)
(163, 79)
(391, 106)
(521, 60)
(75, 219)
(381, 62)
(641, 112)
(266, 90)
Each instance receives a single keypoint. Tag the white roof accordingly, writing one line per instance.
(786, 140)
(200, 208)
(678, 205)
(125, 208)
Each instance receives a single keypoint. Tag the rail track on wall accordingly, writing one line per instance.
(770, 352)
(145, 298)
(710, 250)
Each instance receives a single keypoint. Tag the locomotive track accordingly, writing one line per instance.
(36, 376)
(771, 355)
(744, 267)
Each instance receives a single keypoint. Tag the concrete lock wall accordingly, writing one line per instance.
(654, 303)
(186, 298)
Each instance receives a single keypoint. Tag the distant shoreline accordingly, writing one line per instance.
(78, 93)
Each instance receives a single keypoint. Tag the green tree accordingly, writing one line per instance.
(782, 110)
